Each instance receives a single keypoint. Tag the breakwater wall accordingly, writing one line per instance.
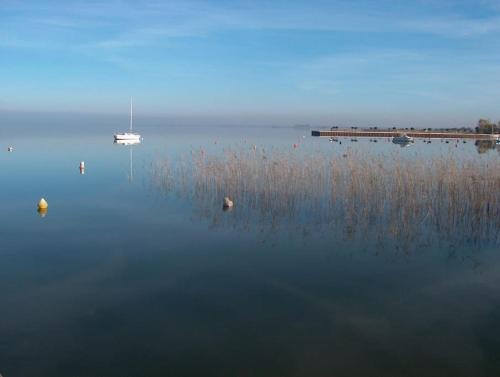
(416, 134)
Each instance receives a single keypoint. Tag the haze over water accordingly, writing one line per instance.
(122, 278)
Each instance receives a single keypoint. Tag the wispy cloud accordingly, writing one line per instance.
(141, 37)
(400, 76)
(452, 26)
(345, 72)
(117, 24)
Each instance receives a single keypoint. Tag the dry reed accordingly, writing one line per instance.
(407, 200)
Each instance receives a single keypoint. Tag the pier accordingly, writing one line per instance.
(415, 134)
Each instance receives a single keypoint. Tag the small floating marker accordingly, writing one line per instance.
(82, 167)
(43, 207)
(42, 204)
(10, 149)
(227, 203)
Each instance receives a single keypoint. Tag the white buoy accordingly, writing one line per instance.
(228, 203)
(82, 164)
(10, 149)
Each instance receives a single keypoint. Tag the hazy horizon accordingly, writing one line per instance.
(79, 119)
(428, 63)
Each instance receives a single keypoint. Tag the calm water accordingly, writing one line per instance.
(121, 279)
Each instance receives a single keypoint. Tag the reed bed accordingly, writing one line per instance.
(407, 200)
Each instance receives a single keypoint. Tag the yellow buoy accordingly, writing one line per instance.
(42, 204)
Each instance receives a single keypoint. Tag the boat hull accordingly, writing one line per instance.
(403, 139)
(127, 142)
(127, 136)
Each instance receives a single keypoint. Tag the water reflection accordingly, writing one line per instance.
(403, 144)
(42, 211)
(406, 203)
(129, 143)
(484, 146)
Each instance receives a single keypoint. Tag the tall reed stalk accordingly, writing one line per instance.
(405, 199)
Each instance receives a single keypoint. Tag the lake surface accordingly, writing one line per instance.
(120, 278)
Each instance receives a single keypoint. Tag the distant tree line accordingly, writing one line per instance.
(486, 126)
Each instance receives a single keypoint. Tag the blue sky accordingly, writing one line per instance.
(418, 62)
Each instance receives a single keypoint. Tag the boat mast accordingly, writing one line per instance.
(130, 114)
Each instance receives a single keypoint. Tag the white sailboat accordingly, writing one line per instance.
(128, 135)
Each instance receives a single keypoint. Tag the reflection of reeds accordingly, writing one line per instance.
(404, 199)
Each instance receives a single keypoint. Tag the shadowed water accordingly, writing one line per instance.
(135, 269)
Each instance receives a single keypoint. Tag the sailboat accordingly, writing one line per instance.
(128, 135)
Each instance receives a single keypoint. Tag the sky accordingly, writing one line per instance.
(362, 62)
